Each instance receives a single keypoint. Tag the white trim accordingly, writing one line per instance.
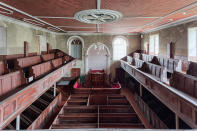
(172, 24)
(25, 24)
(9, 12)
(54, 17)
(33, 22)
(120, 36)
(174, 12)
(17, 10)
(70, 39)
(98, 4)
(86, 33)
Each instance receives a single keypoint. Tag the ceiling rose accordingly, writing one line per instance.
(98, 16)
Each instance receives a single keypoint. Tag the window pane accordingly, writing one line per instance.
(192, 39)
(119, 48)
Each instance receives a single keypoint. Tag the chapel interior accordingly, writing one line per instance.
(86, 65)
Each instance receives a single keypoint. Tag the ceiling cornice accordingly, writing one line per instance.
(24, 13)
(25, 24)
(96, 33)
(172, 24)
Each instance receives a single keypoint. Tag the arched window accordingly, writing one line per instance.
(119, 48)
(76, 48)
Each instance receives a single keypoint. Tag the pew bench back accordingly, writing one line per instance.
(3, 68)
(40, 69)
(48, 57)
(27, 61)
(11, 81)
(57, 62)
(184, 83)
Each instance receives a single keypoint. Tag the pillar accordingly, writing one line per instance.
(54, 91)
(18, 122)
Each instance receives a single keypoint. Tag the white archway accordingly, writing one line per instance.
(70, 39)
(108, 57)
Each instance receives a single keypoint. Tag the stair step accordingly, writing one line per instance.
(75, 126)
(121, 125)
(80, 109)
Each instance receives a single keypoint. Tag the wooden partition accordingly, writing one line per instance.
(183, 105)
(27, 61)
(38, 70)
(147, 58)
(184, 83)
(168, 63)
(41, 121)
(151, 116)
(11, 81)
(192, 69)
(3, 68)
(152, 69)
(13, 105)
(48, 57)
(57, 62)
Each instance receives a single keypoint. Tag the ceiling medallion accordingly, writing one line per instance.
(98, 16)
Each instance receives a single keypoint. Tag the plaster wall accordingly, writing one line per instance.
(133, 44)
(177, 34)
(17, 34)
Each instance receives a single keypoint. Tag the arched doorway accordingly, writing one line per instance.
(97, 58)
(75, 45)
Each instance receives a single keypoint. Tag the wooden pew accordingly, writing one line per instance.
(57, 62)
(137, 55)
(47, 57)
(152, 69)
(192, 69)
(138, 63)
(184, 83)
(147, 58)
(3, 68)
(40, 69)
(27, 61)
(11, 81)
(168, 63)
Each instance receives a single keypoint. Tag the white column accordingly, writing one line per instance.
(108, 64)
(54, 91)
(18, 122)
(86, 64)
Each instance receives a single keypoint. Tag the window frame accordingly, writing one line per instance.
(194, 59)
(156, 53)
(113, 44)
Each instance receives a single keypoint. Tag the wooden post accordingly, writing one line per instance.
(177, 121)
(140, 90)
(26, 49)
(54, 91)
(48, 48)
(147, 49)
(172, 50)
(18, 122)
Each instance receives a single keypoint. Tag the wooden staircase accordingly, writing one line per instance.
(77, 113)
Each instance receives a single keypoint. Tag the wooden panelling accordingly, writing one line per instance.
(180, 103)
(192, 69)
(3, 68)
(51, 108)
(184, 83)
(57, 62)
(27, 61)
(40, 69)
(11, 81)
(48, 57)
(17, 104)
